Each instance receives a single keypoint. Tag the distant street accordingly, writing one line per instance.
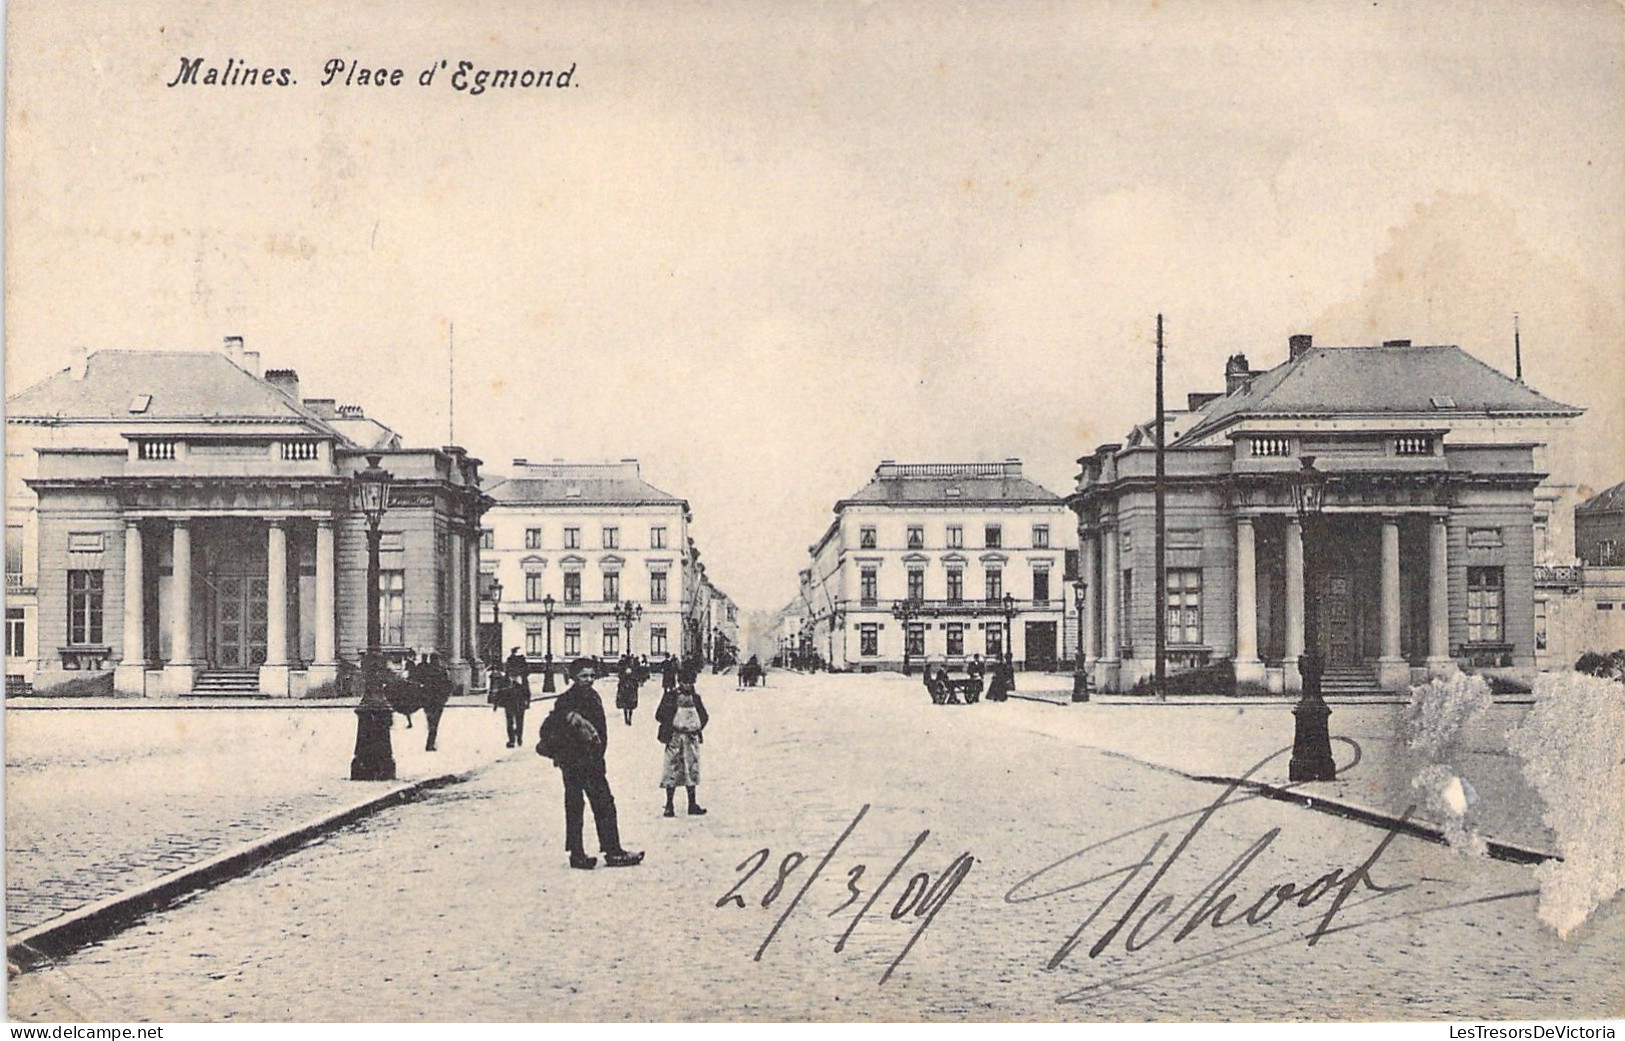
(931, 905)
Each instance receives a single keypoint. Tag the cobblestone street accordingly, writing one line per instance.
(461, 906)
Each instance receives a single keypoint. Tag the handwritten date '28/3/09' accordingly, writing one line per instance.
(919, 900)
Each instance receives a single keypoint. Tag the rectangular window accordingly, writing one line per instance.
(993, 536)
(657, 639)
(572, 641)
(1040, 536)
(84, 607)
(956, 586)
(866, 538)
(392, 608)
(1484, 605)
(993, 638)
(14, 549)
(488, 539)
(995, 584)
(533, 586)
(657, 537)
(869, 640)
(572, 587)
(1125, 610)
(956, 639)
(657, 587)
(1040, 587)
(15, 630)
(533, 538)
(572, 538)
(612, 537)
(869, 586)
(1540, 625)
(956, 536)
(1184, 605)
(916, 584)
(535, 642)
(612, 641)
(612, 586)
(916, 537)
(916, 639)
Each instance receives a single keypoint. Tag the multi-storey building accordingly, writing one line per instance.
(592, 560)
(940, 562)
(1580, 607)
(1422, 557)
(184, 524)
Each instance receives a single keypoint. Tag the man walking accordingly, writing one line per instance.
(578, 718)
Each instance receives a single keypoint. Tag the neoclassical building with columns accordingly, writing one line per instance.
(1421, 559)
(191, 530)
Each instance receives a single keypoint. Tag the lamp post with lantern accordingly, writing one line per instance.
(374, 758)
(628, 612)
(904, 611)
(1080, 667)
(1311, 737)
(548, 604)
(1009, 628)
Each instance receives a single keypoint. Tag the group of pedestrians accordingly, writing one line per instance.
(575, 736)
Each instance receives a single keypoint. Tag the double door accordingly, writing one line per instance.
(239, 621)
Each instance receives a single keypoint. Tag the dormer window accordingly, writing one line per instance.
(1442, 401)
(572, 491)
(139, 403)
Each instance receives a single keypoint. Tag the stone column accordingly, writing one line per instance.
(324, 671)
(274, 673)
(1106, 673)
(1393, 672)
(1087, 631)
(180, 672)
(1440, 663)
(1249, 670)
(456, 663)
(131, 675)
(472, 570)
(1294, 602)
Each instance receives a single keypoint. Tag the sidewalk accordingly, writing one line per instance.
(137, 799)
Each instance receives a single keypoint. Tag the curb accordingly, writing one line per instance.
(103, 918)
(1353, 811)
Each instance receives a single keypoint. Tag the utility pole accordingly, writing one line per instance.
(1160, 593)
(1517, 348)
(451, 384)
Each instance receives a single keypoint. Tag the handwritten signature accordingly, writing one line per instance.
(1149, 918)
(921, 899)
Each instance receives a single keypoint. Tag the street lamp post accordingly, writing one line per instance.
(903, 611)
(1311, 738)
(547, 675)
(1009, 628)
(628, 611)
(1080, 667)
(496, 613)
(374, 758)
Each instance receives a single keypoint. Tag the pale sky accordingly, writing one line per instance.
(763, 246)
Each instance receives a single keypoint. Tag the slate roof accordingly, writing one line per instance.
(551, 484)
(913, 484)
(183, 385)
(1608, 501)
(1378, 380)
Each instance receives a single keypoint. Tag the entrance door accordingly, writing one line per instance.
(1337, 620)
(239, 620)
(1041, 645)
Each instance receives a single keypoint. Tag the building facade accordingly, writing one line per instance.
(940, 562)
(185, 523)
(1580, 607)
(576, 547)
(1421, 559)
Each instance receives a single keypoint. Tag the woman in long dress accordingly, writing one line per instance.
(682, 718)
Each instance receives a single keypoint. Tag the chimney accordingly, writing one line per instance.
(1012, 467)
(1297, 344)
(285, 380)
(1196, 400)
(521, 462)
(81, 362)
(251, 362)
(1236, 374)
(1396, 343)
(887, 468)
(351, 412)
(326, 408)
